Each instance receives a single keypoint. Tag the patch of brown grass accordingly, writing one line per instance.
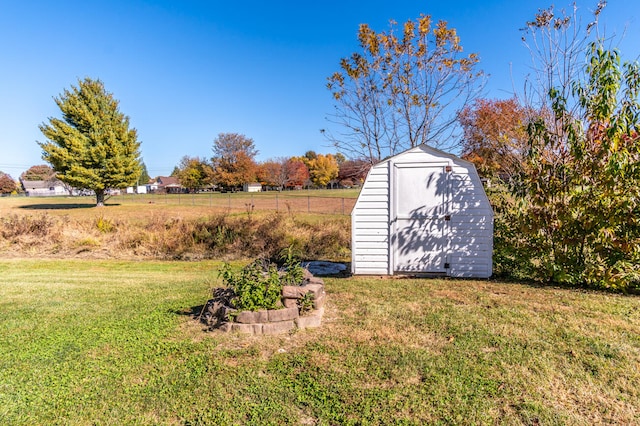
(192, 232)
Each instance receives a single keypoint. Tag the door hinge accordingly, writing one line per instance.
(447, 217)
(447, 266)
(448, 169)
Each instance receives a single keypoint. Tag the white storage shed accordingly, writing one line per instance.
(422, 212)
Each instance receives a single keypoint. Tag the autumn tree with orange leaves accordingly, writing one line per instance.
(233, 160)
(272, 173)
(194, 173)
(7, 184)
(402, 89)
(494, 136)
(323, 169)
(297, 173)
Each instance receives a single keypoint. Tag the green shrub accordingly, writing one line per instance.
(256, 286)
(293, 271)
(259, 284)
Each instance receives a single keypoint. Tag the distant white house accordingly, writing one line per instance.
(139, 189)
(43, 188)
(252, 187)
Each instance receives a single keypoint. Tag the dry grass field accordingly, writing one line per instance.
(331, 202)
(186, 228)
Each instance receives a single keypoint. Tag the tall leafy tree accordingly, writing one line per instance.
(229, 145)
(39, 172)
(495, 136)
(578, 220)
(310, 155)
(353, 172)
(7, 184)
(297, 173)
(234, 160)
(194, 172)
(273, 172)
(144, 174)
(403, 88)
(322, 169)
(92, 145)
(582, 214)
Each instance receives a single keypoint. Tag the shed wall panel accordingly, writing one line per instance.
(376, 177)
(368, 197)
(371, 245)
(376, 185)
(371, 238)
(370, 229)
(371, 271)
(379, 214)
(366, 204)
(381, 190)
(373, 251)
(457, 243)
(472, 227)
(378, 260)
(374, 224)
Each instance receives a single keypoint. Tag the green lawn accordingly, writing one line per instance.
(110, 342)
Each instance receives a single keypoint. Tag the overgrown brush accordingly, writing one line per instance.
(28, 232)
(330, 239)
(216, 236)
(14, 225)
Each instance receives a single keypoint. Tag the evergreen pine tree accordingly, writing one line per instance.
(92, 147)
(144, 175)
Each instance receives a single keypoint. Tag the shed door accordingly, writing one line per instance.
(419, 240)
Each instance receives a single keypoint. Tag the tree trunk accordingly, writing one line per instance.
(99, 197)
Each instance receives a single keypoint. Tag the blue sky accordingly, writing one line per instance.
(185, 71)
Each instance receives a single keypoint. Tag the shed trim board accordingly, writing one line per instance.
(422, 212)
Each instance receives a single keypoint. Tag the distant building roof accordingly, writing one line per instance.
(168, 181)
(40, 184)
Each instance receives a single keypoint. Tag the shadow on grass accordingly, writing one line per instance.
(632, 291)
(68, 206)
(193, 312)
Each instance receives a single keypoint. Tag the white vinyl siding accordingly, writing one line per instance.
(370, 224)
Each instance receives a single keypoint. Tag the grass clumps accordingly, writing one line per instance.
(14, 226)
(175, 237)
